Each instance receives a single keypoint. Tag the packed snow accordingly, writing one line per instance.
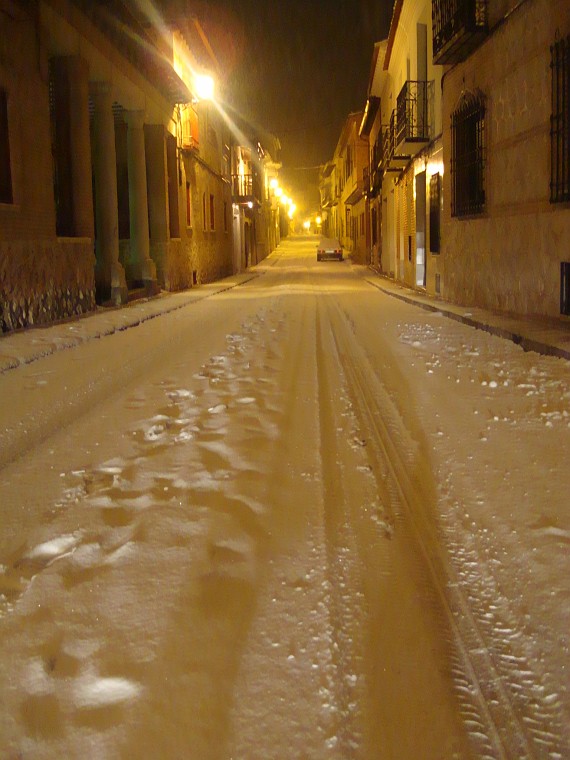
(288, 516)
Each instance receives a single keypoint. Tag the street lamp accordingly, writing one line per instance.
(204, 86)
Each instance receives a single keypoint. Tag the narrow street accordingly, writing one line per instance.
(295, 519)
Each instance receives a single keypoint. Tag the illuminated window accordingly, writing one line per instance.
(188, 206)
(468, 156)
(5, 169)
(560, 122)
(212, 213)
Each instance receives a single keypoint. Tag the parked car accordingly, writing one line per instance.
(329, 248)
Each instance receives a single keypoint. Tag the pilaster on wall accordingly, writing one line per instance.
(110, 275)
(144, 268)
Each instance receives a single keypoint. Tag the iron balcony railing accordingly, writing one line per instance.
(412, 113)
(458, 28)
(388, 139)
(246, 186)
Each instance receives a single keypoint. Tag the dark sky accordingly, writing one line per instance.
(298, 68)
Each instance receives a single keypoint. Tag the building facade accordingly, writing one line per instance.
(403, 120)
(344, 207)
(254, 171)
(506, 131)
(469, 172)
(115, 179)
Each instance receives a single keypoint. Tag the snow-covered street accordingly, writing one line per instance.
(293, 519)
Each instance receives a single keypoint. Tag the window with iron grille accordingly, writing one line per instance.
(434, 212)
(560, 122)
(5, 169)
(468, 156)
(565, 287)
(188, 206)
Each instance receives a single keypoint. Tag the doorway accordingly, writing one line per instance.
(421, 229)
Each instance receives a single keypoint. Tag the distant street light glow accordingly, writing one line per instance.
(307, 224)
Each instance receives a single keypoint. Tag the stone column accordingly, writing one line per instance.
(109, 272)
(143, 266)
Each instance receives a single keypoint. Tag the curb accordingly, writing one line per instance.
(527, 344)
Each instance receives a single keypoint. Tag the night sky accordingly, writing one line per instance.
(296, 68)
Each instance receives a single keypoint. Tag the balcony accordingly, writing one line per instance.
(246, 188)
(376, 168)
(458, 26)
(412, 129)
(357, 188)
(395, 157)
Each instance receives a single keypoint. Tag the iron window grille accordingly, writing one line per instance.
(468, 156)
(5, 169)
(560, 122)
(565, 287)
(458, 26)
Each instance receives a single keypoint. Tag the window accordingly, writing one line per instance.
(188, 206)
(212, 213)
(434, 212)
(225, 216)
(560, 122)
(5, 169)
(468, 156)
(204, 217)
(565, 287)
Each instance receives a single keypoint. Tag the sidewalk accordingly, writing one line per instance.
(550, 336)
(28, 345)
(545, 335)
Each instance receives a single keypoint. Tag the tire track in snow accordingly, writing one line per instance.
(495, 726)
(345, 595)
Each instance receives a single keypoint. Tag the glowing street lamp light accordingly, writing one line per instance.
(318, 220)
(279, 192)
(204, 86)
(274, 184)
(307, 225)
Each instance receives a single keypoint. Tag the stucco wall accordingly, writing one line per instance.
(23, 75)
(509, 257)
